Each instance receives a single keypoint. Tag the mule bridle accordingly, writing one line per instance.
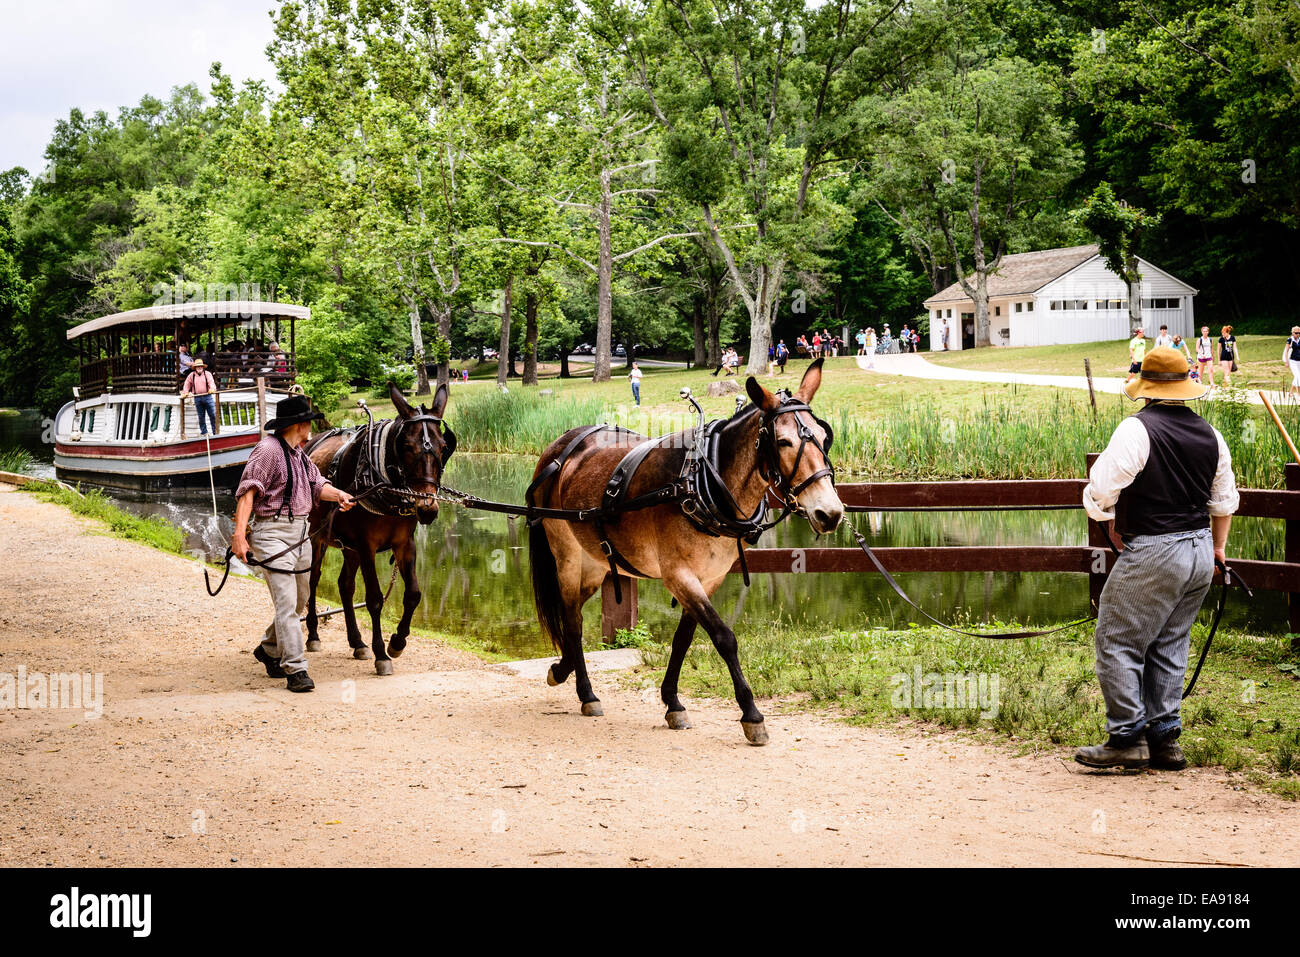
(769, 455)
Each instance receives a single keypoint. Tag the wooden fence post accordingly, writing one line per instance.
(1292, 554)
(1097, 539)
(615, 615)
(261, 406)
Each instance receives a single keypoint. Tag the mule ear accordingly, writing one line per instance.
(440, 401)
(811, 382)
(399, 401)
(760, 396)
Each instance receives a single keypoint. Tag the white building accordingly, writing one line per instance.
(1061, 295)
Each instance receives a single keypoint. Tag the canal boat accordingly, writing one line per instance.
(127, 427)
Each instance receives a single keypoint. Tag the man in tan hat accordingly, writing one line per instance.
(200, 384)
(1166, 481)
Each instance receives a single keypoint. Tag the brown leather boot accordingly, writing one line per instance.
(1131, 757)
(1166, 755)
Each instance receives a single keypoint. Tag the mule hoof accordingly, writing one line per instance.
(677, 720)
(755, 732)
(592, 709)
(550, 677)
(383, 666)
(313, 644)
(361, 654)
(395, 650)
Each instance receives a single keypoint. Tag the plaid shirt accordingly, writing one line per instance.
(265, 475)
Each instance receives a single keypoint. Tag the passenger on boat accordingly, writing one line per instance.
(200, 384)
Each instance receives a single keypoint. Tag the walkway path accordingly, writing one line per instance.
(918, 367)
(199, 759)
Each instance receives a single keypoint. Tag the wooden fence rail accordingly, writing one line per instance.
(1094, 559)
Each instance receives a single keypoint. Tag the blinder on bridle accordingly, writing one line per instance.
(770, 464)
(426, 446)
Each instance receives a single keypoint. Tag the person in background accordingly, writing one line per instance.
(871, 347)
(1164, 339)
(1177, 344)
(1166, 481)
(862, 342)
(782, 357)
(1229, 355)
(1137, 350)
(946, 334)
(1291, 359)
(817, 344)
(1205, 356)
(184, 358)
(200, 384)
(905, 339)
(635, 376)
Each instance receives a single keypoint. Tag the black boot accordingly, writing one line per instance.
(300, 681)
(273, 669)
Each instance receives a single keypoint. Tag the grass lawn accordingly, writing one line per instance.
(1261, 367)
(1038, 693)
(844, 386)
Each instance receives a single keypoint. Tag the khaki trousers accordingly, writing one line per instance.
(283, 638)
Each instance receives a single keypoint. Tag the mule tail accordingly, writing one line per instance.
(546, 585)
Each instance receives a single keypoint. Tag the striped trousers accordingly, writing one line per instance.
(1144, 625)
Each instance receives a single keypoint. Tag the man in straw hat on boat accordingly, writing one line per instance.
(279, 486)
(1166, 481)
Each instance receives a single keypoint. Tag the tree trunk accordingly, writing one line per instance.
(417, 349)
(698, 333)
(604, 285)
(1134, 295)
(760, 321)
(530, 338)
(505, 332)
(444, 335)
(981, 299)
(564, 362)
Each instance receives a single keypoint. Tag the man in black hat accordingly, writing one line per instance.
(279, 486)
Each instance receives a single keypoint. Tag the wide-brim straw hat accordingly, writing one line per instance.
(1164, 375)
(198, 364)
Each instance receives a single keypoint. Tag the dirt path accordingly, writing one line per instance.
(199, 760)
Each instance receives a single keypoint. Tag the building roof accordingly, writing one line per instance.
(216, 309)
(1020, 274)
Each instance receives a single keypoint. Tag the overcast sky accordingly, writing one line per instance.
(60, 54)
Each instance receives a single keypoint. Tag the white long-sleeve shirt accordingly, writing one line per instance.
(1126, 455)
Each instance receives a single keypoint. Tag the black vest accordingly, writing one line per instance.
(1172, 492)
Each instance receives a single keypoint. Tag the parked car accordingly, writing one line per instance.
(490, 353)
(584, 349)
(620, 351)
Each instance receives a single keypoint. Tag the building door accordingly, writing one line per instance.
(968, 330)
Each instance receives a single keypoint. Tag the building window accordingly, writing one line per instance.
(1161, 303)
(949, 313)
(1063, 304)
(997, 310)
(1019, 306)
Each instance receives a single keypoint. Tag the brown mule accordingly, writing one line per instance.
(769, 445)
(416, 449)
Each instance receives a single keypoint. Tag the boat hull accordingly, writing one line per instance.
(168, 468)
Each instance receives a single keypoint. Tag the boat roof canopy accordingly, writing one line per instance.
(216, 309)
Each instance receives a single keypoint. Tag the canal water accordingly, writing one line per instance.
(473, 565)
